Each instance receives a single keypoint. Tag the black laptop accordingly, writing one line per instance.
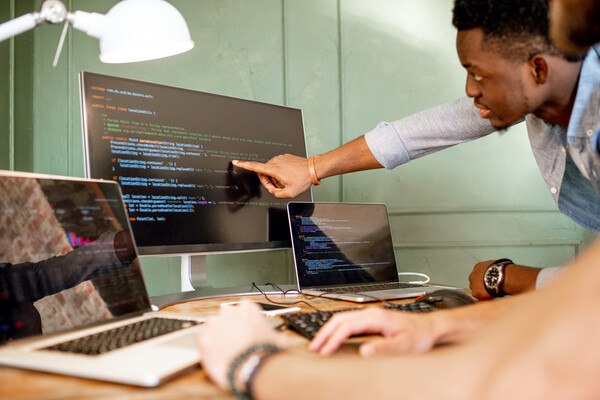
(345, 251)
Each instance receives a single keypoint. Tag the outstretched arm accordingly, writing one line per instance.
(388, 145)
(287, 176)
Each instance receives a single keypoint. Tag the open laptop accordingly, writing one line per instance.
(68, 269)
(344, 251)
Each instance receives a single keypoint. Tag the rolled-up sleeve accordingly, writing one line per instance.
(428, 131)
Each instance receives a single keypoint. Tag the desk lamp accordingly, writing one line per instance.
(131, 31)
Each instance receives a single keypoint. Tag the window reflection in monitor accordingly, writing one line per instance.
(171, 148)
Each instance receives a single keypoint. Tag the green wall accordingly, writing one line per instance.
(348, 64)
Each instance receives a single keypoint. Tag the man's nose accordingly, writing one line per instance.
(471, 88)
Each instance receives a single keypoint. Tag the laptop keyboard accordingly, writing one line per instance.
(371, 288)
(307, 324)
(122, 336)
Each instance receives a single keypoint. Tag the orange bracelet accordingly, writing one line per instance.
(311, 171)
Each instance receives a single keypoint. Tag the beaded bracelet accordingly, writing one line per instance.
(239, 360)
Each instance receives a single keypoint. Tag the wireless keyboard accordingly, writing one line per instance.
(307, 324)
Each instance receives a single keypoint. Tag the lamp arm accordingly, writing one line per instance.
(93, 24)
(19, 25)
(53, 11)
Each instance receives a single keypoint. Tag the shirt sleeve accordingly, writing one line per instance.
(426, 132)
(546, 275)
(31, 281)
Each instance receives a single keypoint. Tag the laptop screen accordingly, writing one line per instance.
(337, 244)
(67, 258)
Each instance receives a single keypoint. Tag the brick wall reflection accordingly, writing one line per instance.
(38, 236)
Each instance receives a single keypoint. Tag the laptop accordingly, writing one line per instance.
(345, 251)
(69, 269)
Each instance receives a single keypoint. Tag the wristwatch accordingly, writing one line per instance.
(494, 277)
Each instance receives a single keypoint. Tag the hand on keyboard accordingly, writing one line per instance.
(307, 324)
(400, 331)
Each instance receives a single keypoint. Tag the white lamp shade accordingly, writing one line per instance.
(137, 30)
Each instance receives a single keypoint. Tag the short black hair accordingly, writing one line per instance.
(518, 29)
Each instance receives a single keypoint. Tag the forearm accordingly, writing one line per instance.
(33, 281)
(551, 351)
(519, 278)
(350, 157)
(296, 375)
(460, 324)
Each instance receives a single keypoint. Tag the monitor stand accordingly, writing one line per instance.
(195, 285)
(193, 272)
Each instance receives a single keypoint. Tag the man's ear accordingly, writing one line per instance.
(539, 69)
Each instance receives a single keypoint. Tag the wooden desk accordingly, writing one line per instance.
(21, 384)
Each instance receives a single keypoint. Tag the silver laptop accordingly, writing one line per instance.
(68, 270)
(345, 251)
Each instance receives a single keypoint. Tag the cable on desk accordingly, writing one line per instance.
(309, 297)
(284, 292)
(427, 278)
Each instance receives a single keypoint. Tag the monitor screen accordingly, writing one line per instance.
(171, 148)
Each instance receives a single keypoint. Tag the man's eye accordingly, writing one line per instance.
(476, 77)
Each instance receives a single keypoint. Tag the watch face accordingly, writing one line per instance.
(492, 277)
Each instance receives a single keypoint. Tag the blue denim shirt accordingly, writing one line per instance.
(457, 122)
(584, 124)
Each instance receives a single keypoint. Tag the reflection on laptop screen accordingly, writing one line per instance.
(341, 243)
(66, 256)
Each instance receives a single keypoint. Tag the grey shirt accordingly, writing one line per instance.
(458, 121)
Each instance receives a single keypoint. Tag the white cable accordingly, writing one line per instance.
(61, 41)
(427, 278)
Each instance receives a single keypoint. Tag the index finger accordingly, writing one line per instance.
(339, 328)
(253, 166)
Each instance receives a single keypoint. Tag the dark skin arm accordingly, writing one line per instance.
(518, 279)
(286, 176)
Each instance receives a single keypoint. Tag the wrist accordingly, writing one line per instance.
(494, 276)
(450, 326)
(245, 366)
(312, 171)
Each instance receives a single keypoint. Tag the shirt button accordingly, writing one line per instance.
(563, 150)
(553, 190)
(589, 132)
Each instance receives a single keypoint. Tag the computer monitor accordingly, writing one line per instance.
(171, 148)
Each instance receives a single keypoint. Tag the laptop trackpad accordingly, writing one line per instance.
(187, 340)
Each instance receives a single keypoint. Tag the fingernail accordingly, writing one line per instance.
(366, 350)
